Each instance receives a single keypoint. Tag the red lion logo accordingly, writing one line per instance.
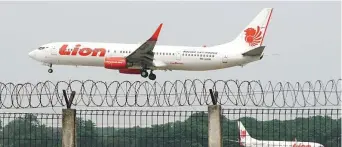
(253, 37)
(243, 134)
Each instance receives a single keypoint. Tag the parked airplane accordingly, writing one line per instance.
(247, 141)
(138, 58)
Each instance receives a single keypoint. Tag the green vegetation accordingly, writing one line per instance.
(28, 131)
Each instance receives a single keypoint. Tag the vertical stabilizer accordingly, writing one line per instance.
(244, 138)
(252, 36)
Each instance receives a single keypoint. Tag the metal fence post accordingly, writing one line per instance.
(214, 122)
(69, 122)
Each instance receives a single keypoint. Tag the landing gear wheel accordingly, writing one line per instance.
(144, 73)
(152, 76)
(50, 70)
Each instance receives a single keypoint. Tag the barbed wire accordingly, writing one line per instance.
(171, 93)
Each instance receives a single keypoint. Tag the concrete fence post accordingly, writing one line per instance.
(69, 128)
(214, 122)
(69, 122)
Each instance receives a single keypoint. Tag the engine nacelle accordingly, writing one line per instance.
(130, 71)
(115, 63)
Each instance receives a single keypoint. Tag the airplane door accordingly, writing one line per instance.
(52, 55)
(225, 59)
(53, 51)
(178, 55)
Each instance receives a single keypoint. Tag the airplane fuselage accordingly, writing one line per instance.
(248, 141)
(168, 57)
(263, 143)
(138, 58)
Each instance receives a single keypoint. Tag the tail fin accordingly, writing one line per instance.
(252, 36)
(245, 138)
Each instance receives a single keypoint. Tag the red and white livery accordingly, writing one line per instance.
(247, 141)
(139, 58)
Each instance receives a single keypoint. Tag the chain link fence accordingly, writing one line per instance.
(141, 128)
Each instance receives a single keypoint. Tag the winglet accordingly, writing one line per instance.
(156, 33)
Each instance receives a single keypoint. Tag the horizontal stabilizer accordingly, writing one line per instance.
(255, 52)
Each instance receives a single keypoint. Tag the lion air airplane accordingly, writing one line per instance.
(247, 141)
(139, 58)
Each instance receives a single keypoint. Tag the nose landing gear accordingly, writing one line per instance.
(50, 70)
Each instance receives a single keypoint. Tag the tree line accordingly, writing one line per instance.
(29, 131)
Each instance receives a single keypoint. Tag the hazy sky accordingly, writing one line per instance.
(305, 34)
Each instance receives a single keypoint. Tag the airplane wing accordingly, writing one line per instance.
(143, 55)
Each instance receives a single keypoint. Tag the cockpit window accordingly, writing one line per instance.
(41, 48)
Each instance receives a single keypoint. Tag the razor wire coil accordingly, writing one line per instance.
(92, 93)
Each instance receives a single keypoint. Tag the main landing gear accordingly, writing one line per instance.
(144, 74)
(50, 69)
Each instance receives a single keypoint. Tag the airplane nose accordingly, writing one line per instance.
(32, 54)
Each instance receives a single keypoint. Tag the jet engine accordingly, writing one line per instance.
(116, 63)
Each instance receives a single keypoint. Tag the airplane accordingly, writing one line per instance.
(139, 58)
(246, 140)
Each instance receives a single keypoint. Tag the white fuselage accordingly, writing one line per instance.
(266, 143)
(248, 141)
(245, 48)
(168, 57)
